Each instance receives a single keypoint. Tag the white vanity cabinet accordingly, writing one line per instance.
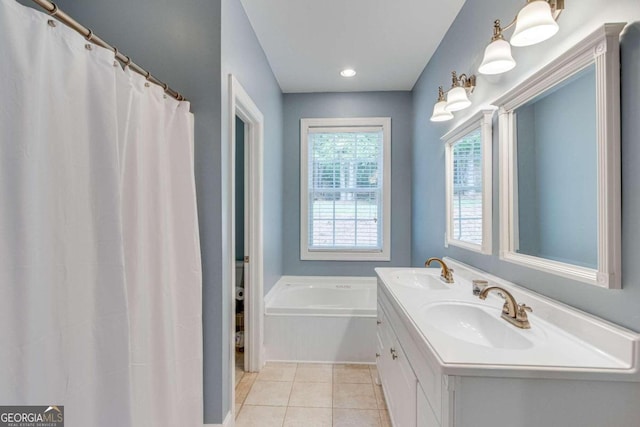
(407, 400)
(425, 383)
(400, 381)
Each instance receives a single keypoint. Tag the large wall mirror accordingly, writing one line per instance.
(560, 165)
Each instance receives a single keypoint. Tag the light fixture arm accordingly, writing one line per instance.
(508, 27)
(557, 6)
(468, 82)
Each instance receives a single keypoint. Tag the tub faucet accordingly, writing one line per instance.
(512, 312)
(446, 274)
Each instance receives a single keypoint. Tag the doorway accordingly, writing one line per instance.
(244, 202)
(242, 245)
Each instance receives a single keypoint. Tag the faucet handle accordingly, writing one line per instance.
(449, 275)
(521, 313)
(525, 307)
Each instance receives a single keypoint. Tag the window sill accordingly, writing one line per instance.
(475, 247)
(344, 256)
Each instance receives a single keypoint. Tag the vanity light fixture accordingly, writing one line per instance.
(348, 72)
(440, 114)
(457, 98)
(497, 56)
(535, 23)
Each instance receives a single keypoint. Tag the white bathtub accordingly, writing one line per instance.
(321, 319)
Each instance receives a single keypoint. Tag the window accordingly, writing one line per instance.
(467, 188)
(468, 167)
(345, 189)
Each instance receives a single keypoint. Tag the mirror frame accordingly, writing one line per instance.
(483, 121)
(602, 49)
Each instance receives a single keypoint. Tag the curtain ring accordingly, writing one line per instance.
(115, 52)
(53, 11)
(165, 86)
(127, 62)
(90, 35)
(146, 76)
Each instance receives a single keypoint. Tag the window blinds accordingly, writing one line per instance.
(467, 188)
(345, 188)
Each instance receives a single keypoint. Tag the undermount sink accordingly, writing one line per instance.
(474, 324)
(419, 279)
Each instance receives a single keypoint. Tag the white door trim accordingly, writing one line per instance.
(241, 105)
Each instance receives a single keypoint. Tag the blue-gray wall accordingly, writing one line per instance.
(243, 57)
(396, 105)
(462, 50)
(557, 196)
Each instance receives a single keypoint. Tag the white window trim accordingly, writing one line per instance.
(482, 121)
(351, 255)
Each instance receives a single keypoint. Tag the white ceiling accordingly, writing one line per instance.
(388, 42)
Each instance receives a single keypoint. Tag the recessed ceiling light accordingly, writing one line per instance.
(348, 72)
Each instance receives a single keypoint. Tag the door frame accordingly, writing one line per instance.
(241, 105)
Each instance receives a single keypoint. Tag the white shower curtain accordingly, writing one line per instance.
(100, 277)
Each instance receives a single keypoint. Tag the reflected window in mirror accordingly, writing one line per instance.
(466, 209)
(468, 167)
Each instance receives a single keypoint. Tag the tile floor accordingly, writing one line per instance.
(239, 366)
(311, 395)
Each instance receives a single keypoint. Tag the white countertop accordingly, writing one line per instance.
(561, 338)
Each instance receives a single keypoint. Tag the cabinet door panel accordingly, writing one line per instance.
(406, 382)
(398, 380)
(424, 414)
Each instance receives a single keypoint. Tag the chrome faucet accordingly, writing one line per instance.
(512, 312)
(446, 274)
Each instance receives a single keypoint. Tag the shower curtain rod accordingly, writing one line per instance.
(53, 10)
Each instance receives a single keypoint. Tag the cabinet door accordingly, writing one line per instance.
(425, 416)
(406, 382)
(398, 380)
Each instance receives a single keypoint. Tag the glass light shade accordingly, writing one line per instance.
(457, 99)
(497, 58)
(534, 24)
(440, 114)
